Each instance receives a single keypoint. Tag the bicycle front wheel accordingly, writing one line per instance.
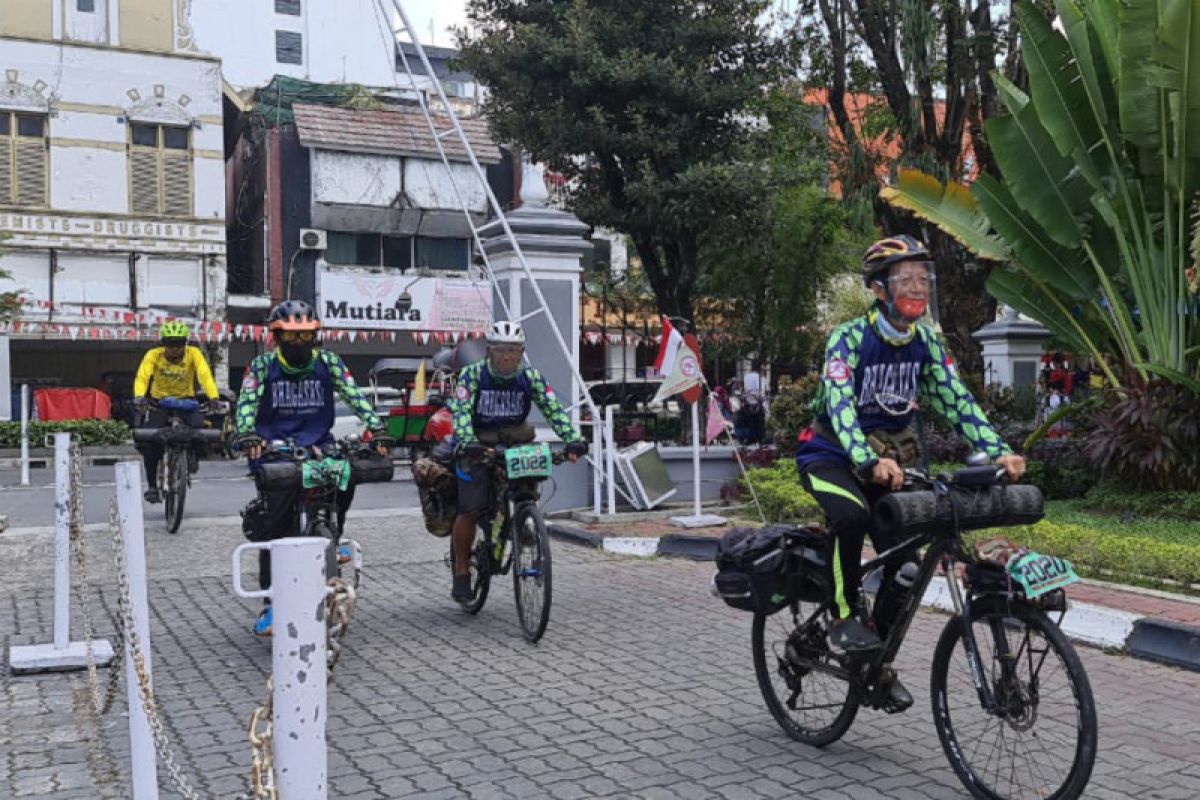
(1040, 741)
(531, 570)
(177, 484)
(800, 679)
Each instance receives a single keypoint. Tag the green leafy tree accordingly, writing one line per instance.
(1100, 171)
(643, 106)
(768, 269)
(910, 83)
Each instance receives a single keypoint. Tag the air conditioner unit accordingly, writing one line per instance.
(313, 239)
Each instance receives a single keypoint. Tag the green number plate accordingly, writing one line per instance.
(530, 461)
(1039, 574)
(327, 472)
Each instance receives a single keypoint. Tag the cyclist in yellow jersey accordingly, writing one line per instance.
(171, 371)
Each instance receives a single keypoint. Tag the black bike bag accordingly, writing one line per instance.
(767, 569)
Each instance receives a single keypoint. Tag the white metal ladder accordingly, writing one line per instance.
(602, 433)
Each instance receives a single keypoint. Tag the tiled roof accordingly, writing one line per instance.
(399, 133)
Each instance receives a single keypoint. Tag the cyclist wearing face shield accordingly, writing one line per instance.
(879, 370)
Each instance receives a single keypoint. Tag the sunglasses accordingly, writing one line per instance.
(297, 337)
(174, 344)
(507, 349)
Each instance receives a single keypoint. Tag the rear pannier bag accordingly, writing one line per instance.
(437, 490)
(766, 569)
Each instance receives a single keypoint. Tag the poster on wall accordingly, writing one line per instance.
(352, 299)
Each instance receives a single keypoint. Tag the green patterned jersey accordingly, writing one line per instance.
(279, 402)
(874, 383)
(483, 401)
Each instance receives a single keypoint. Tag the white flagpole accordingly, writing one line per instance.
(696, 456)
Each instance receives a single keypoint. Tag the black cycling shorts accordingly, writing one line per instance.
(474, 485)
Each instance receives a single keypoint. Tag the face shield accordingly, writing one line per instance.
(912, 292)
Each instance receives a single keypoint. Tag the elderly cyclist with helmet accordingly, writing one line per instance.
(880, 369)
(171, 370)
(288, 394)
(492, 399)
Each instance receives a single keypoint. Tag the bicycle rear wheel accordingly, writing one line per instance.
(1041, 740)
(480, 569)
(531, 571)
(796, 674)
(177, 484)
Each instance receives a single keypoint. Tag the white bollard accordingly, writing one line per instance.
(597, 474)
(610, 461)
(63, 655)
(62, 540)
(298, 666)
(25, 434)
(141, 738)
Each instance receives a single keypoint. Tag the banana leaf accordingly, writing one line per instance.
(1041, 179)
(949, 207)
(1060, 267)
(1061, 98)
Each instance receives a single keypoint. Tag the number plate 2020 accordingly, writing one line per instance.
(1039, 574)
(529, 461)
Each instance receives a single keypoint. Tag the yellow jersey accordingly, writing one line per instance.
(165, 379)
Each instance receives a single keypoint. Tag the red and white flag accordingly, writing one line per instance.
(681, 359)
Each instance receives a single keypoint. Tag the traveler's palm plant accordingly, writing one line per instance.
(1094, 218)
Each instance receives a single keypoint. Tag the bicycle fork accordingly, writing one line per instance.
(962, 608)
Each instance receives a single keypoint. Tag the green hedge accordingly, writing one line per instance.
(1112, 556)
(1156, 505)
(90, 432)
(1130, 553)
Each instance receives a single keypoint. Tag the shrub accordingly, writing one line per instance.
(779, 492)
(1060, 467)
(90, 432)
(1148, 438)
(791, 412)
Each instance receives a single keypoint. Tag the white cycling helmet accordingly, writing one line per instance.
(505, 332)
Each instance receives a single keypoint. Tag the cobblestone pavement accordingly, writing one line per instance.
(642, 688)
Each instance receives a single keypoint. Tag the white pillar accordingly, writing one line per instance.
(141, 740)
(6, 409)
(62, 540)
(62, 654)
(298, 667)
(696, 456)
(298, 662)
(610, 460)
(598, 453)
(25, 434)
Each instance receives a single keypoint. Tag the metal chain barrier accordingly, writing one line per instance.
(162, 744)
(339, 607)
(83, 590)
(260, 734)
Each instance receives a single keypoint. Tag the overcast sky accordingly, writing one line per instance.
(443, 14)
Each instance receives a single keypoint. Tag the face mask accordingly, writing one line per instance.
(492, 368)
(910, 309)
(296, 355)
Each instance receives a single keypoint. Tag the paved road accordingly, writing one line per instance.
(642, 688)
(219, 489)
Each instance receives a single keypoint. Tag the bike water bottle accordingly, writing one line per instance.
(891, 597)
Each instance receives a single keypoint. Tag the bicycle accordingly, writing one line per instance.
(178, 439)
(993, 682)
(518, 473)
(320, 473)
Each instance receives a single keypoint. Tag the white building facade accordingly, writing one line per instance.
(112, 183)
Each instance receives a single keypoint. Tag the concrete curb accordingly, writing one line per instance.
(1147, 638)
